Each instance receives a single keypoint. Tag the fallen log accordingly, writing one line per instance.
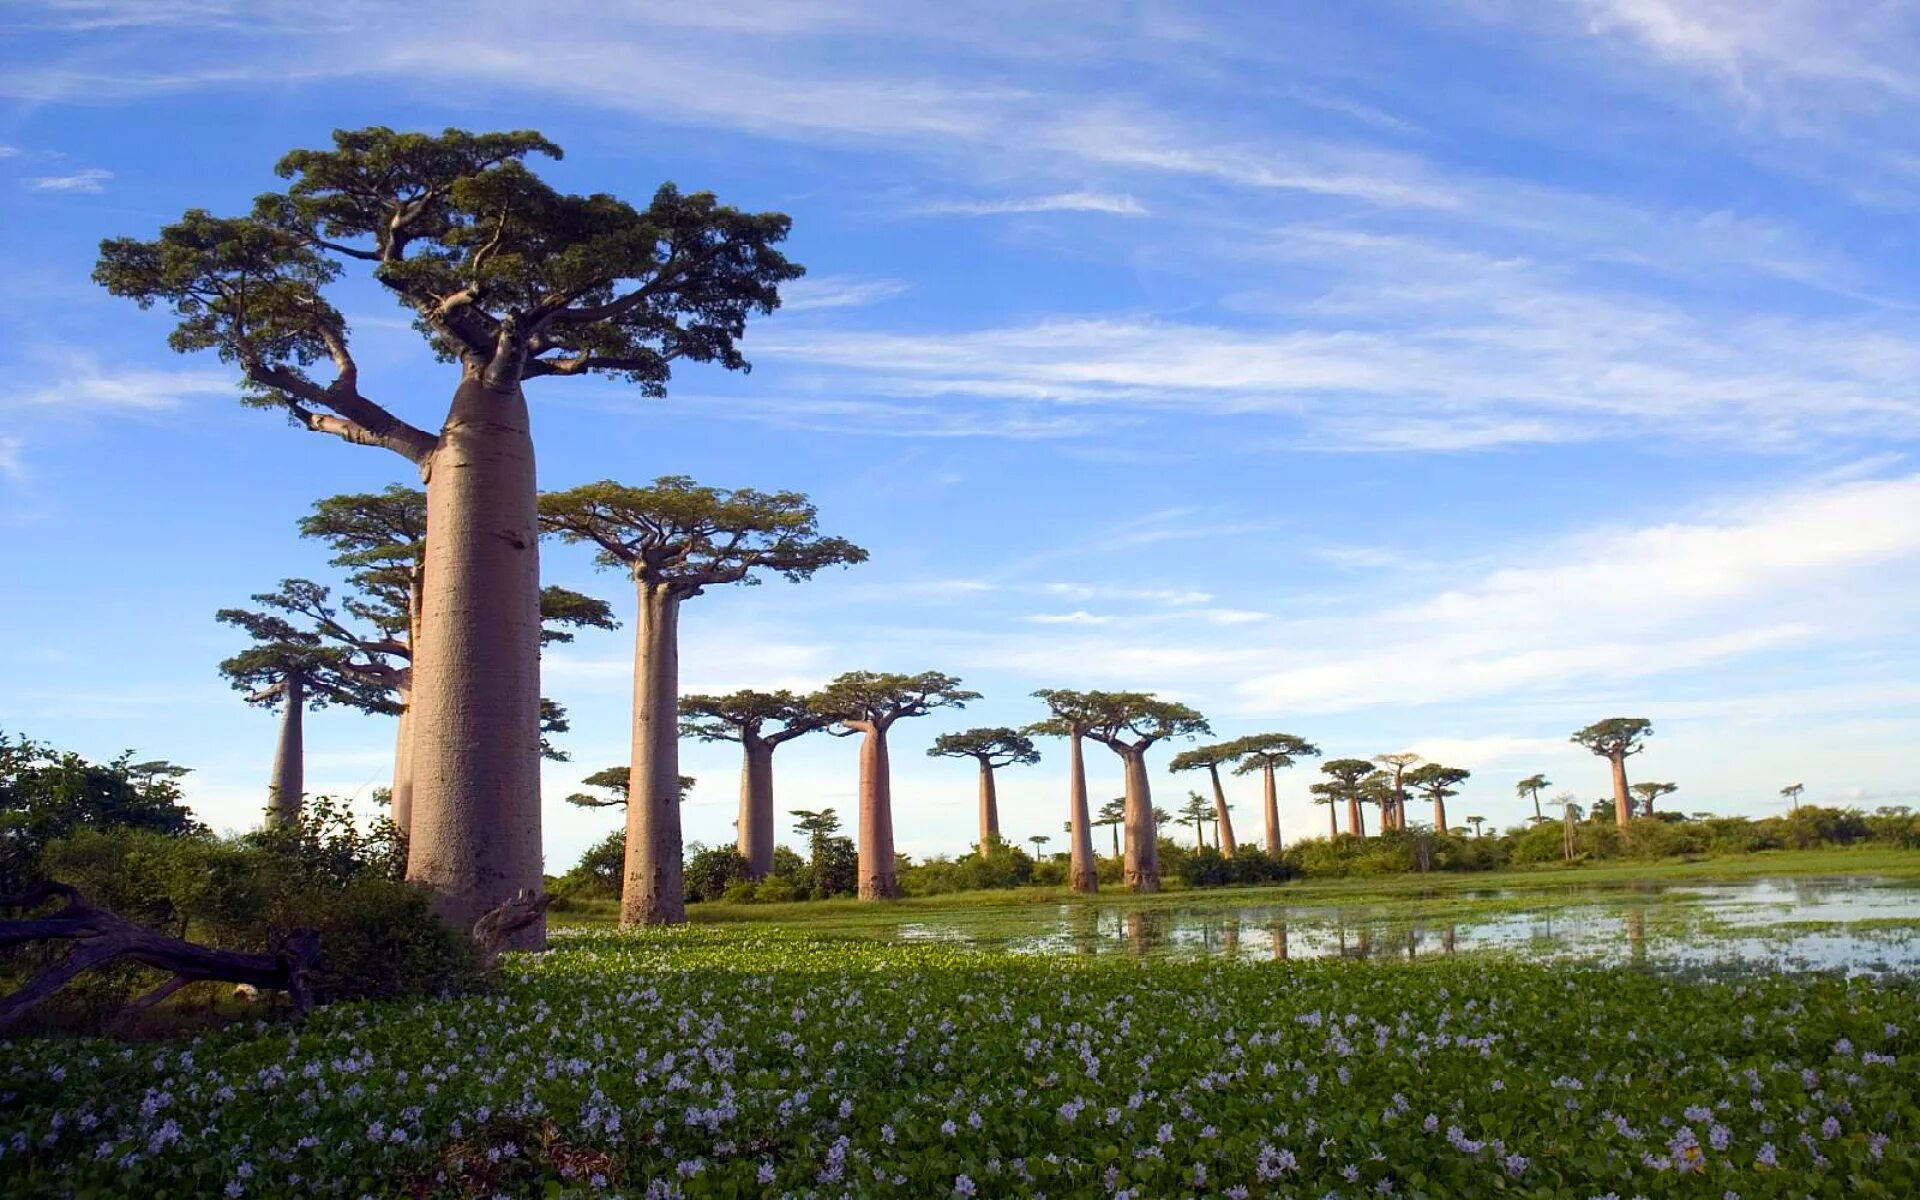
(101, 936)
(504, 920)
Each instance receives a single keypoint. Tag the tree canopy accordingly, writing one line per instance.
(1435, 779)
(746, 714)
(1142, 717)
(998, 746)
(1072, 713)
(283, 654)
(1262, 750)
(879, 698)
(1615, 737)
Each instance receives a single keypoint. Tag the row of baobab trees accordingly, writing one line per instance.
(511, 281)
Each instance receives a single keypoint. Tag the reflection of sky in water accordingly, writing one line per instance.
(1703, 925)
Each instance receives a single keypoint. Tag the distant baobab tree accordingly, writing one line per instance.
(1113, 813)
(1329, 793)
(294, 669)
(1477, 822)
(1616, 739)
(1792, 793)
(761, 722)
(1649, 792)
(991, 748)
(1532, 786)
(1569, 813)
(1211, 759)
(675, 539)
(1436, 783)
(1071, 715)
(1267, 753)
(1196, 813)
(509, 279)
(1129, 724)
(1394, 815)
(1346, 774)
(1039, 840)
(869, 703)
(1377, 789)
(616, 781)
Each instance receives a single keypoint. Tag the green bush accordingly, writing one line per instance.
(710, 871)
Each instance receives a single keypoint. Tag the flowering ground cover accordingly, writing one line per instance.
(743, 1062)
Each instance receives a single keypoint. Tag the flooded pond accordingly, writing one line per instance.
(1853, 924)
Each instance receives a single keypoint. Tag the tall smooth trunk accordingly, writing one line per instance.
(1084, 875)
(654, 891)
(876, 819)
(1622, 801)
(1225, 823)
(289, 782)
(989, 807)
(1353, 816)
(1270, 800)
(1439, 814)
(1538, 816)
(475, 829)
(756, 807)
(1333, 824)
(401, 800)
(1143, 846)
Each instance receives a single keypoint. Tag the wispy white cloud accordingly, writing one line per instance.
(1079, 616)
(839, 291)
(91, 181)
(1094, 202)
(80, 385)
(12, 464)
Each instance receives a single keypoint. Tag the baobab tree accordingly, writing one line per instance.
(1129, 723)
(294, 669)
(1792, 793)
(1647, 793)
(1267, 753)
(991, 749)
(615, 780)
(1616, 739)
(675, 539)
(1436, 783)
(510, 280)
(1039, 840)
(1477, 822)
(1071, 715)
(1532, 786)
(1210, 759)
(1394, 815)
(869, 703)
(1196, 812)
(1569, 813)
(1330, 794)
(1377, 789)
(761, 722)
(1346, 774)
(1114, 814)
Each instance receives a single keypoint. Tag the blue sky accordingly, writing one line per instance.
(1434, 376)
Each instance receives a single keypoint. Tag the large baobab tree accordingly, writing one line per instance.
(1072, 714)
(1394, 815)
(1532, 786)
(991, 749)
(1436, 783)
(1616, 739)
(869, 703)
(1267, 753)
(1347, 773)
(1129, 723)
(1377, 789)
(293, 669)
(1210, 759)
(761, 722)
(1647, 793)
(676, 539)
(509, 280)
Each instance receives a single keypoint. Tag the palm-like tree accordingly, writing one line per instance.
(1195, 814)
(1329, 794)
(1113, 814)
(1532, 786)
(1477, 822)
(1038, 840)
(1569, 813)
(1648, 792)
(1792, 793)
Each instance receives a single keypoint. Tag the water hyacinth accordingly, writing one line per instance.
(700, 1062)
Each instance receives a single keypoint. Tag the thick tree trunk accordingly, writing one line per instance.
(475, 829)
(876, 818)
(289, 782)
(401, 801)
(1270, 800)
(1622, 800)
(756, 807)
(1224, 822)
(654, 891)
(989, 807)
(1143, 845)
(1333, 824)
(1083, 874)
(1353, 816)
(1440, 814)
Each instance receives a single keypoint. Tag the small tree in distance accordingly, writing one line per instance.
(1072, 715)
(1792, 793)
(1347, 774)
(991, 749)
(1266, 753)
(1210, 759)
(1647, 793)
(1616, 739)
(1436, 783)
(1394, 814)
(761, 722)
(1532, 786)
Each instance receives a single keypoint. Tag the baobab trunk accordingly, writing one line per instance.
(289, 758)
(401, 801)
(1084, 875)
(756, 807)
(654, 892)
(1224, 822)
(989, 808)
(1143, 846)
(475, 827)
(1353, 816)
(1333, 824)
(1439, 814)
(876, 818)
(1622, 802)
(1271, 800)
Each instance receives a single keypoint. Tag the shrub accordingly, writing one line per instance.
(711, 871)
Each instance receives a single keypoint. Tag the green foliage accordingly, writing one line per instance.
(710, 871)
(46, 795)
(1261, 750)
(1615, 737)
(1139, 719)
(745, 715)
(1206, 867)
(999, 865)
(997, 746)
(881, 698)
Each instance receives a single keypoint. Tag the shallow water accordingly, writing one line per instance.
(1758, 923)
